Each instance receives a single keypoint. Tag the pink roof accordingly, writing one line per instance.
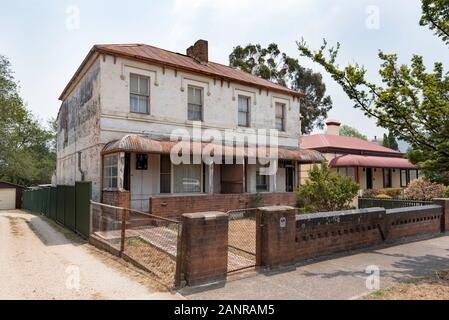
(352, 160)
(318, 141)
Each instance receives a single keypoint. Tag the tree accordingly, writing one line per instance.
(349, 131)
(27, 154)
(412, 103)
(392, 143)
(326, 190)
(386, 141)
(435, 15)
(270, 64)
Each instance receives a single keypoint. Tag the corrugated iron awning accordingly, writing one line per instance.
(135, 143)
(352, 160)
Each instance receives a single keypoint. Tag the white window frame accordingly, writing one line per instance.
(108, 168)
(138, 94)
(248, 112)
(258, 166)
(284, 107)
(202, 102)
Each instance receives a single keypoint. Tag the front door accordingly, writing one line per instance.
(369, 178)
(289, 178)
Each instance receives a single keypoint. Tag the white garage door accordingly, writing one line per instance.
(7, 199)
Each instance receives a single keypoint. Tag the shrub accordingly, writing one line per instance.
(446, 195)
(326, 190)
(383, 196)
(421, 189)
(392, 192)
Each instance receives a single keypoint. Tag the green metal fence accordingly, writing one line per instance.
(390, 203)
(67, 205)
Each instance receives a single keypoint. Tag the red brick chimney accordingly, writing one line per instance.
(199, 51)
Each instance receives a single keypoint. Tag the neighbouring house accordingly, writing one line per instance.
(370, 164)
(10, 195)
(122, 106)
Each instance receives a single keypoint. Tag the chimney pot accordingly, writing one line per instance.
(199, 51)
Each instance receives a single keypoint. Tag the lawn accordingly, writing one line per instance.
(434, 287)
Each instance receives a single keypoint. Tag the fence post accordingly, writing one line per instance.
(444, 203)
(204, 247)
(123, 230)
(277, 240)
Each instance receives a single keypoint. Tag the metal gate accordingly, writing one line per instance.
(241, 239)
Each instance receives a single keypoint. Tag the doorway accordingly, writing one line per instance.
(289, 178)
(369, 178)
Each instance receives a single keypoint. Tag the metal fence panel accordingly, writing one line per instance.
(69, 207)
(83, 195)
(60, 204)
(53, 199)
(390, 203)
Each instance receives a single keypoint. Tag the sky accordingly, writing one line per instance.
(47, 40)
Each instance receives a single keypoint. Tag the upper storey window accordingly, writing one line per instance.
(195, 104)
(139, 93)
(244, 111)
(280, 116)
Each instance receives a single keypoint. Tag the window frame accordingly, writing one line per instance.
(284, 107)
(202, 102)
(165, 174)
(248, 111)
(403, 181)
(173, 178)
(107, 179)
(139, 94)
(267, 177)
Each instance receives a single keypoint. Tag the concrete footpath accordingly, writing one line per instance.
(342, 277)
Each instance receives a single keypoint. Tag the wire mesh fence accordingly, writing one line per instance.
(146, 240)
(242, 239)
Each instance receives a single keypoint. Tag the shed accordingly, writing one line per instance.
(10, 195)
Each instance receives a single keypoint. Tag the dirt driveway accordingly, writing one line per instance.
(40, 260)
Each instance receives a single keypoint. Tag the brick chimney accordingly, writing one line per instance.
(333, 127)
(199, 51)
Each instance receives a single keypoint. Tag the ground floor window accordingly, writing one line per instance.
(261, 180)
(110, 171)
(403, 178)
(413, 174)
(187, 178)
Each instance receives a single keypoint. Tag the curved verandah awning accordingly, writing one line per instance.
(135, 143)
(352, 160)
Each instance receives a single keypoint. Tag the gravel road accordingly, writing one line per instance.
(40, 260)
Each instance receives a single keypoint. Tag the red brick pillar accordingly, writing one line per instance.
(204, 246)
(276, 231)
(444, 202)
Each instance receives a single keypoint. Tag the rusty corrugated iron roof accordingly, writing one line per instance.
(135, 143)
(180, 61)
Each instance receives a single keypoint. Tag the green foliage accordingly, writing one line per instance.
(326, 190)
(394, 193)
(385, 141)
(349, 131)
(412, 102)
(270, 64)
(392, 143)
(256, 201)
(27, 153)
(435, 15)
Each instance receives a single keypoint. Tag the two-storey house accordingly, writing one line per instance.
(125, 103)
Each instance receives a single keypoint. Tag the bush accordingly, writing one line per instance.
(326, 190)
(392, 192)
(383, 196)
(446, 195)
(421, 189)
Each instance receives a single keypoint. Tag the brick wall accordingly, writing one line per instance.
(413, 221)
(444, 203)
(174, 206)
(328, 232)
(204, 244)
(325, 233)
(117, 198)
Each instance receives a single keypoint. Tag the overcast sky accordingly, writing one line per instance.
(46, 41)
